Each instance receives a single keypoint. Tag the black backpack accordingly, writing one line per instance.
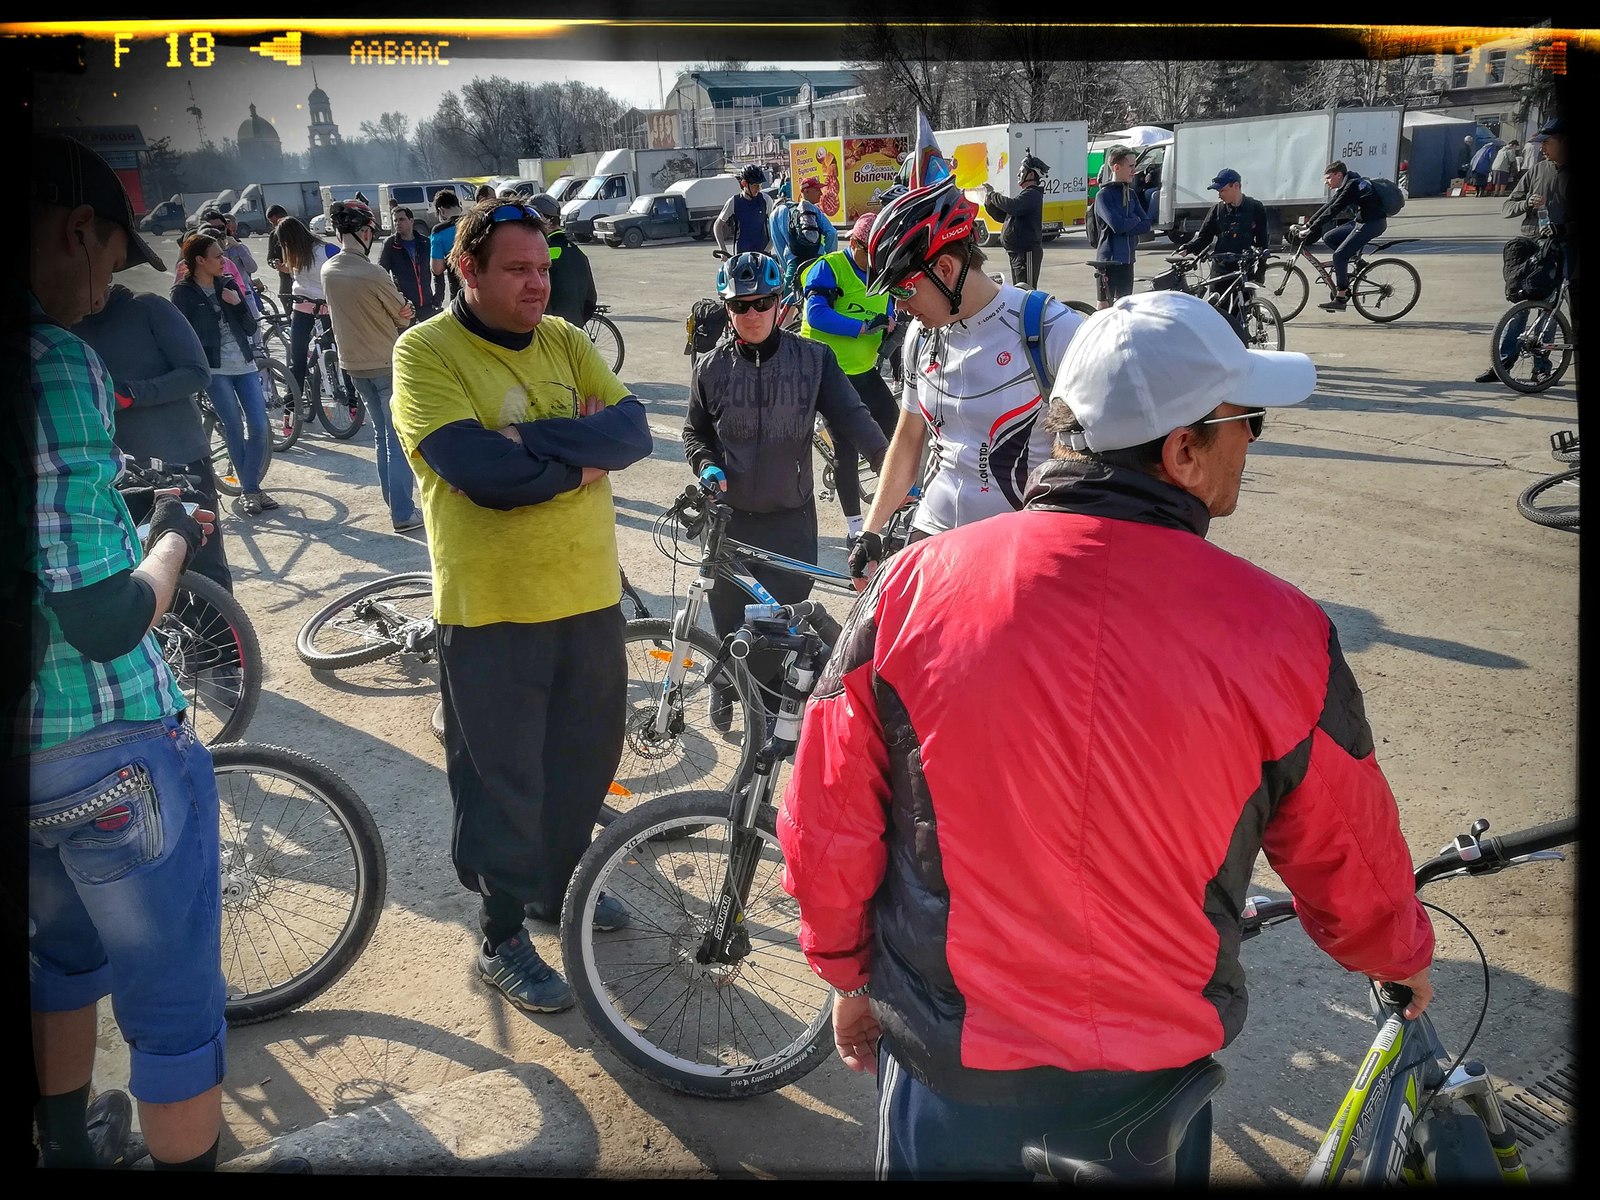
(805, 233)
(708, 321)
(1389, 194)
(1091, 225)
(1531, 267)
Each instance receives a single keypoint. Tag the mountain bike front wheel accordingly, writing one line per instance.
(1263, 326)
(339, 409)
(1081, 307)
(284, 418)
(1284, 284)
(1552, 501)
(222, 465)
(1544, 347)
(1385, 289)
(303, 878)
(607, 340)
(371, 622)
(753, 1019)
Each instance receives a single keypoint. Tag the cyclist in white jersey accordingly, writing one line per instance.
(968, 381)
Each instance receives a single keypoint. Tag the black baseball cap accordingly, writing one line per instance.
(68, 173)
(1556, 127)
(1224, 177)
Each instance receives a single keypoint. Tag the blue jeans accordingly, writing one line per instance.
(394, 469)
(1346, 241)
(124, 896)
(241, 407)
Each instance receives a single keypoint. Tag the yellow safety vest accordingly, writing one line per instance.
(856, 355)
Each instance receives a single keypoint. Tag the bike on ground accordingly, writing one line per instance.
(1553, 500)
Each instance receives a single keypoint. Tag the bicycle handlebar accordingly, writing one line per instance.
(1470, 854)
(797, 617)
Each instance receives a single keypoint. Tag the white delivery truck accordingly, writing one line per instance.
(993, 153)
(1281, 159)
(174, 211)
(620, 177)
(302, 198)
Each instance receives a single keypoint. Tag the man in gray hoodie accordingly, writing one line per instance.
(157, 367)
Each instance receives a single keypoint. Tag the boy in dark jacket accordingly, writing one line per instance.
(1350, 191)
(1123, 218)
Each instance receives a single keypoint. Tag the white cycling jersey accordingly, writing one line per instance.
(973, 385)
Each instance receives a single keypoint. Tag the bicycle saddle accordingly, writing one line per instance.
(1137, 1143)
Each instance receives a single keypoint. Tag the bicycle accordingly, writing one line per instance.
(707, 990)
(1411, 1116)
(607, 338)
(672, 740)
(1544, 349)
(1382, 289)
(206, 638)
(1553, 500)
(1233, 293)
(334, 405)
(303, 878)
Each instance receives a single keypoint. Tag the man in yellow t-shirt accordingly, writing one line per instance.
(512, 421)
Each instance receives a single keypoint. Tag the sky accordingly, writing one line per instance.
(142, 90)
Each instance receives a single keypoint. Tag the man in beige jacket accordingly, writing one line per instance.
(368, 315)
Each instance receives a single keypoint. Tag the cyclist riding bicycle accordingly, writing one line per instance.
(969, 381)
(1350, 192)
(753, 401)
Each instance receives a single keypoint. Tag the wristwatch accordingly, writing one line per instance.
(863, 990)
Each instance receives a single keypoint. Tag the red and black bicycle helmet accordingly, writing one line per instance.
(912, 229)
(352, 216)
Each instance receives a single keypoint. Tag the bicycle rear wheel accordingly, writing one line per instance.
(1263, 326)
(1285, 285)
(1544, 347)
(693, 752)
(607, 339)
(1385, 289)
(722, 1030)
(1552, 502)
(303, 878)
(339, 408)
(1078, 306)
(212, 649)
(283, 404)
(370, 622)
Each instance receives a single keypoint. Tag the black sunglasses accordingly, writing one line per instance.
(745, 304)
(1257, 419)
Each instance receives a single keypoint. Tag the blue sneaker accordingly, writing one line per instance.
(610, 913)
(526, 979)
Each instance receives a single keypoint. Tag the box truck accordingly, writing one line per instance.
(1281, 159)
(301, 197)
(622, 176)
(173, 213)
(994, 153)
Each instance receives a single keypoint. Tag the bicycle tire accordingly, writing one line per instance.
(1387, 279)
(1080, 306)
(271, 307)
(1562, 510)
(1286, 286)
(222, 458)
(284, 417)
(1533, 383)
(695, 754)
(1264, 325)
(294, 911)
(627, 861)
(340, 411)
(373, 630)
(207, 631)
(606, 339)
(1455, 1148)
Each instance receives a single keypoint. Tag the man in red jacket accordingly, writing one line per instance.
(1039, 768)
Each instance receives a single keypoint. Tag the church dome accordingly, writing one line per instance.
(318, 100)
(257, 129)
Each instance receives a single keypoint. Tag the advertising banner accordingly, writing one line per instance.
(871, 165)
(821, 158)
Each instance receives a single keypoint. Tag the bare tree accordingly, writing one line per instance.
(909, 61)
(391, 135)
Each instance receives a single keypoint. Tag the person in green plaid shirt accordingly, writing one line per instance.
(122, 820)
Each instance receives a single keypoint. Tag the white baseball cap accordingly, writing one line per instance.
(1158, 361)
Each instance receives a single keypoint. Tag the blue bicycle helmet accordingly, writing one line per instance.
(749, 274)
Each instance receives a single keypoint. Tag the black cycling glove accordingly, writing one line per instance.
(873, 324)
(169, 516)
(868, 549)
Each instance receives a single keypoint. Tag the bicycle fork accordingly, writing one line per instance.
(669, 705)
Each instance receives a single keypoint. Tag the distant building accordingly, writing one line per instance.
(120, 146)
(1484, 83)
(260, 153)
(760, 111)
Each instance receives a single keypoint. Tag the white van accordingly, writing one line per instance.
(418, 197)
